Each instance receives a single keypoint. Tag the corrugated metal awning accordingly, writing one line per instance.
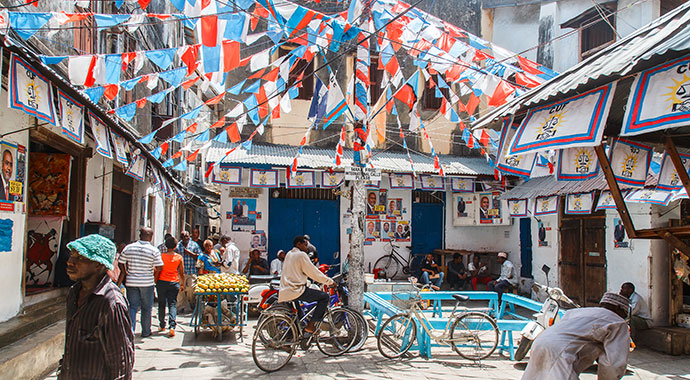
(545, 186)
(319, 158)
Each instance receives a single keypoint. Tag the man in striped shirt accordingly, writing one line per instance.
(98, 336)
(137, 263)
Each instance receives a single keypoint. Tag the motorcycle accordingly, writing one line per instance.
(546, 317)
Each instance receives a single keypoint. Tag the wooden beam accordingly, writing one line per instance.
(656, 233)
(676, 243)
(677, 163)
(615, 192)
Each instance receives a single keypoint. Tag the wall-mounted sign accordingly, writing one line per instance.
(243, 192)
(264, 178)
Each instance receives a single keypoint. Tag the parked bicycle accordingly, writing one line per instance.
(472, 334)
(279, 334)
(389, 265)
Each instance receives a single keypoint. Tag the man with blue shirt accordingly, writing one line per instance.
(190, 252)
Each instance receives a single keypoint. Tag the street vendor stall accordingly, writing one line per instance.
(220, 303)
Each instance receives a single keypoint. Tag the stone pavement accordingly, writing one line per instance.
(187, 357)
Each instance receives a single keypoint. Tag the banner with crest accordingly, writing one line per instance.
(225, 174)
(578, 204)
(659, 99)
(577, 164)
(137, 169)
(263, 178)
(71, 118)
(668, 176)
(546, 205)
(648, 195)
(606, 201)
(401, 181)
(629, 162)
(100, 134)
(302, 179)
(577, 121)
(517, 208)
(518, 164)
(462, 185)
(431, 182)
(29, 91)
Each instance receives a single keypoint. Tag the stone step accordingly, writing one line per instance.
(35, 356)
(32, 319)
(669, 340)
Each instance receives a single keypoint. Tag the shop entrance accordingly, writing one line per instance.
(318, 218)
(121, 217)
(582, 262)
(427, 222)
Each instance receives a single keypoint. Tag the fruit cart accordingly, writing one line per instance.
(216, 288)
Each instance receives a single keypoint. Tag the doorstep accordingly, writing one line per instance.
(42, 311)
(34, 356)
(669, 340)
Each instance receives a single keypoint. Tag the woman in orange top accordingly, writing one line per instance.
(169, 282)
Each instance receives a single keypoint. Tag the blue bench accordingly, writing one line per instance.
(509, 301)
(437, 298)
(379, 308)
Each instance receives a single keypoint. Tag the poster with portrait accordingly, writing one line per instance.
(402, 230)
(542, 240)
(620, 238)
(12, 178)
(394, 209)
(49, 181)
(489, 207)
(258, 240)
(463, 209)
(243, 214)
(373, 230)
(43, 241)
(376, 203)
(387, 230)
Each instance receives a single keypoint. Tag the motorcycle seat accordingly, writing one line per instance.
(461, 298)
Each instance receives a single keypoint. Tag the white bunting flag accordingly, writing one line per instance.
(629, 162)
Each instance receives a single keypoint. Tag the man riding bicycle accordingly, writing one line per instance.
(297, 267)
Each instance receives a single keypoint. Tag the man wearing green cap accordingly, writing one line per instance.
(98, 340)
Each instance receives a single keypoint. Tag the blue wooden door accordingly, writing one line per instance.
(316, 218)
(526, 247)
(427, 227)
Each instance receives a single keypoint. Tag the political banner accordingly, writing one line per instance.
(518, 164)
(100, 134)
(577, 164)
(577, 121)
(464, 210)
(659, 99)
(629, 162)
(606, 201)
(546, 205)
(301, 180)
(578, 204)
(401, 181)
(120, 148)
(225, 174)
(647, 195)
(462, 185)
(71, 118)
(517, 208)
(137, 169)
(30, 91)
(332, 180)
(679, 194)
(431, 182)
(263, 178)
(668, 176)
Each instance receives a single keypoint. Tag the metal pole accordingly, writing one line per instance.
(356, 276)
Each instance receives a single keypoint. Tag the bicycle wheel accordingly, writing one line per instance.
(362, 331)
(388, 265)
(337, 332)
(274, 343)
(474, 336)
(396, 336)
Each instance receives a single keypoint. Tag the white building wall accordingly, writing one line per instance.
(546, 255)
(12, 262)
(630, 19)
(514, 29)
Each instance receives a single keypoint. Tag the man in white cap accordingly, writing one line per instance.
(582, 336)
(508, 278)
(277, 263)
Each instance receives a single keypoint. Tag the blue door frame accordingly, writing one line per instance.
(317, 218)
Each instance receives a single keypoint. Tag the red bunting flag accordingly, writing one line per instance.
(192, 156)
(526, 81)
(233, 133)
(529, 66)
(164, 147)
(231, 55)
(472, 104)
(501, 93)
(111, 91)
(192, 128)
(190, 57)
(219, 123)
(209, 30)
(216, 99)
(484, 139)
(141, 102)
(189, 83)
(176, 155)
(127, 58)
(144, 3)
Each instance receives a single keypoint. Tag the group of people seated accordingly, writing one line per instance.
(476, 272)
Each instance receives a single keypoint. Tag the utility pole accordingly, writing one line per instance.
(356, 275)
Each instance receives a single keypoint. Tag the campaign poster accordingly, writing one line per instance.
(13, 162)
(376, 203)
(489, 207)
(373, 230)
(463, 209)
(394, 208)
(388, 230)
(258, 240)
(541, 234)
(402, 230)
(620, 239)
(243, 214)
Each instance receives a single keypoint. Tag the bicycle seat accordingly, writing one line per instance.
(461, 298)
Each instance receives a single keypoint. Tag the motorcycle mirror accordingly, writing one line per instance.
(546, 269)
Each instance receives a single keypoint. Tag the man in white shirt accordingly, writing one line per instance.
(582, 336)
(293, 282)
(277, 263)
(639, 316)
(231, 257)
(137, 263)
(507, 280)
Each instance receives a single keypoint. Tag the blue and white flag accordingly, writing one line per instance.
(318, 102)
(336, 104)
(71, 118)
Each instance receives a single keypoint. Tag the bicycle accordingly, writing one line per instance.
(277, 337)
(472, 334)
(391, 263)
